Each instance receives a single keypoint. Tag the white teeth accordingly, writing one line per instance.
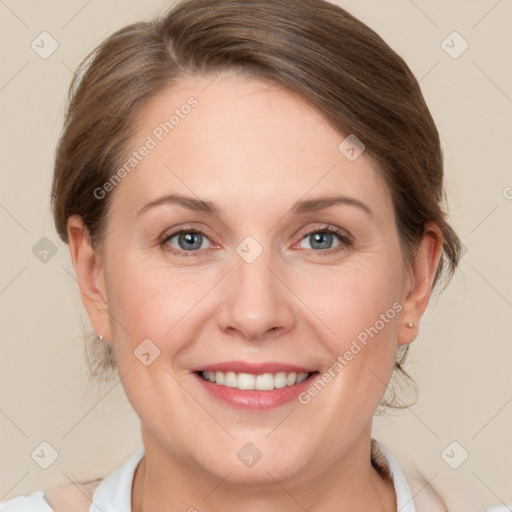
(264, 382)
(248, 381)
(301, 377)
(280, 380)
(230, 380)
(291, 379)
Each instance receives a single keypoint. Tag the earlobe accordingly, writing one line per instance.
(90, 276)
(421, 276)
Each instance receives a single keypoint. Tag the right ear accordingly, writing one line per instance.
(89, 273)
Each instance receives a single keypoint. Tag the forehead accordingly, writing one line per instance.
(230, 138)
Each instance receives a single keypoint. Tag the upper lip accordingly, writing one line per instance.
(253, 368)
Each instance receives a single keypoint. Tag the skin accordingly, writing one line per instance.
(252, 149)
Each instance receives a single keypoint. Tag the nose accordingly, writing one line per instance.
(257, 303)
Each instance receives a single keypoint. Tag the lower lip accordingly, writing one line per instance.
(254, 399)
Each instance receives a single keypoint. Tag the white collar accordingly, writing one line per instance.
(404, 498)
(114, 492)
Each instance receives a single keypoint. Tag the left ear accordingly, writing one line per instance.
(426, 262)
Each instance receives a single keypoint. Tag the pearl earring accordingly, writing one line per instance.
(101, 337)
(409, 324)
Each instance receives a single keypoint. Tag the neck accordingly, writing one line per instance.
(353, 484)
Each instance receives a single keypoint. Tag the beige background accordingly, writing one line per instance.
(462, 357)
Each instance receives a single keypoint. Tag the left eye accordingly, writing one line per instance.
(321, 239)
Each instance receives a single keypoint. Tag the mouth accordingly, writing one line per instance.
(254, 387)
(259, 382)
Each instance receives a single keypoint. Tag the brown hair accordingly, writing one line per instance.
(311, 47)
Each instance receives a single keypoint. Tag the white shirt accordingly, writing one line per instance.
(113, 494)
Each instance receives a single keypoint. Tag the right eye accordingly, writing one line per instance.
(188, 242)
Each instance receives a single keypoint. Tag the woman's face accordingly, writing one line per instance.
(264, 288)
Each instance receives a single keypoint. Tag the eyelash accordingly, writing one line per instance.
(345, 241)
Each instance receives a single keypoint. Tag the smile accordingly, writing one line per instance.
(254, 386)
(248, 381)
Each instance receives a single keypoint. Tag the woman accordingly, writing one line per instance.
(252, 195)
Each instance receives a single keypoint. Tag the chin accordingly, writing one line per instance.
(258, 462)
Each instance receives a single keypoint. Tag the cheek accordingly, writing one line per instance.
(360, 306)
(148, 299)
(356, 296)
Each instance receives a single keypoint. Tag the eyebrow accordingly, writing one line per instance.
(300, 207)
